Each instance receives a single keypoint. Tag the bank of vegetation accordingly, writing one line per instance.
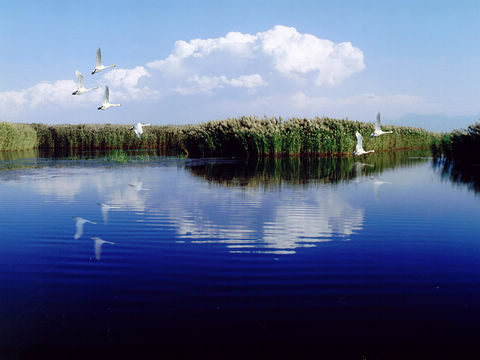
(460, 145)
(240, 137)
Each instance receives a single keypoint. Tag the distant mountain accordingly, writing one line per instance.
(439, 122)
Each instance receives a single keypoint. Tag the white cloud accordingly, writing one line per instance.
(127, 80)
(293, 53)
(45, 94)
(234, 43)
(199, 84)
(248, 81)
(290, 52)
(12, 101)
(58, 94)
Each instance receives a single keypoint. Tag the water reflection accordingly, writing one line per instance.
(105, 208)
(98, 246)
(268, 172)
(460, 173)
(266, 205)
(359, 170)
(377, 183)
(138, 186)
(79, 222)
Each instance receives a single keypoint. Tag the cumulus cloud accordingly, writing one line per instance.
(199, 84)
(124, 84)
(127, 82)
(235, 43)
(44, 94)
(289, 52)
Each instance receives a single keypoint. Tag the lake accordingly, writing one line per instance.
(365, 258)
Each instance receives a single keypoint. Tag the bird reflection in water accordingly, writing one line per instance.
(98, 246)
(138, 186)
(105, 208)
(79, 224)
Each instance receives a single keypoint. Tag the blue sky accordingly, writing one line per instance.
(407, 59)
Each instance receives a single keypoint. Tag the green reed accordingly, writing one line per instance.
(246, 136)
(17, 137)
(460, 145)
(252, 136)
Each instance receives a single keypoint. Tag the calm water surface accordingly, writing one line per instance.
(373, 260)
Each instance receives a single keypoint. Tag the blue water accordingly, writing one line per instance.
(227, 258)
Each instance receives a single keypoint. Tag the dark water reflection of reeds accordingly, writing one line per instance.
(303, 170)
(228, 171)
(459, 172)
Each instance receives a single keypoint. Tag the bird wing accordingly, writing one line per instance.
(377, 123)
(359, 141)
(80, 78)
(99, 57)
(106, 96)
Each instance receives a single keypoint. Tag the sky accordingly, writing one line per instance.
(183, 62)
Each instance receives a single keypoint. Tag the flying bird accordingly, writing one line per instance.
(79, 224)
(98, 246)
(80, 85)
(106, 100)
(138, 129)
(99, 67)
(378, 130)
(359, 148)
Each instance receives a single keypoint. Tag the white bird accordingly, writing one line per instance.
(138, 129)
(138, 186)
(378, 130)
(80, 85)
(80, 222)
(98, 246)
(359, 148)
(105, 208)
(106, 100)
(99, 67)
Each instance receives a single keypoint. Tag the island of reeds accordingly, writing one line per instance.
(247, 136)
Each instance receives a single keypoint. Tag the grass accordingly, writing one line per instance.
(247, 136)
(17, 137)
(122, 157)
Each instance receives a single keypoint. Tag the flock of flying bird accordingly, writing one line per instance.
(377, 132)
(138, 127)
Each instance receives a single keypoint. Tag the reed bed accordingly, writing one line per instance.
(17, 137)
(108, 136)
(252, 136)
(246, 136)
(460, 145)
